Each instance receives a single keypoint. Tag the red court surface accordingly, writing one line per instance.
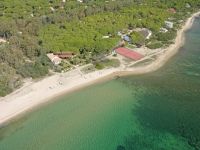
(129, 53)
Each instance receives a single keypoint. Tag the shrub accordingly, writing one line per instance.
(99, 66)
(166, 36)
(34, 70)
(155, 45)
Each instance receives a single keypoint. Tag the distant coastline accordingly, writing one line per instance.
(33, 94)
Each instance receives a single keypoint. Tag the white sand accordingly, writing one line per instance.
(35, 93)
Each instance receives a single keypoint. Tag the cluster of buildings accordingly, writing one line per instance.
(125, 36)
(168, 25)
(57, 57)
(146, 33)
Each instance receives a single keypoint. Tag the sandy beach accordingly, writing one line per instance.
(33, 94)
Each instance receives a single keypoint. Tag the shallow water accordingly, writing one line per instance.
(156, 111)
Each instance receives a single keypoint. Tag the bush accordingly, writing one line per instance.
(8, 79)
(111, 63)
(34, 70)
(99, 66)
(155, 45)
(166, 36)
(4, 88)
(138, 38)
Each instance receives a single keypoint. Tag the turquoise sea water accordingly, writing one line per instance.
(156, 111)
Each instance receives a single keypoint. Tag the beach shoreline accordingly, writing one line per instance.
(34, 94)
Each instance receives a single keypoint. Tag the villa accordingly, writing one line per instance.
(54, 58)
(169, 24)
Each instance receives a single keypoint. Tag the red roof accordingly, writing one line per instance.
(129, 53)
(172, 10)
(64, 55)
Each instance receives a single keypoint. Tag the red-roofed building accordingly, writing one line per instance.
(172, 10)
(64, 55)
(129, 53)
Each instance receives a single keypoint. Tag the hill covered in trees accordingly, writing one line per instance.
(34, 28)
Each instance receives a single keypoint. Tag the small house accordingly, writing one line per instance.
(127, 38)
(119, 33)
(106, 37)
(146, 33)
(81, 1)
(169, 24)
(163, 30)
(54, 58)
(64, 55)
(187, 5)
(172, 10)
(52, 9)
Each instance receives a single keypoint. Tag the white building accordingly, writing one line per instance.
(54, 59)
(187, 5)
(163, 30)
(169, 24)
(52, 9)
(80, 1)
(119, 33)
(106, 37)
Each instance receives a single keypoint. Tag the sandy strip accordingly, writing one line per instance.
(35, 93)
(168, 52)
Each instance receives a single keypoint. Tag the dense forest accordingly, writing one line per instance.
(34, 28)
